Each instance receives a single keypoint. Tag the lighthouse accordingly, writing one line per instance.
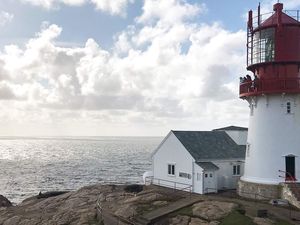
(272, 90)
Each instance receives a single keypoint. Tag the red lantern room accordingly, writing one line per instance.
(273, 53)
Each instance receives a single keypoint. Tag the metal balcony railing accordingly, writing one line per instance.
(267, 86)
(258, 20)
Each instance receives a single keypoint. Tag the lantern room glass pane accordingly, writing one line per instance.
(263, 46)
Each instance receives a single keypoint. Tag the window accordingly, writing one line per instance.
(288, 107)
(171, 169)
(210, 175)
(198, 176)
(263, 46)
(237, 170)
(185, 175)
(206, 175)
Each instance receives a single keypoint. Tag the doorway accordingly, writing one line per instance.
(290, 168)
(209, 182)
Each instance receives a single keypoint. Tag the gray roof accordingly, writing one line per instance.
(204, 145)
(207, 166)
(235, 128)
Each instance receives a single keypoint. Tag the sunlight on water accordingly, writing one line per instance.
(28, 166)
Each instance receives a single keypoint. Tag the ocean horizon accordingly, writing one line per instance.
(32, 164)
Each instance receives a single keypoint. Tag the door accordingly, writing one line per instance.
(290, 168)
(209, 182)
(198, 182)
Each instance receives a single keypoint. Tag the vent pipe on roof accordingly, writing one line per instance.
(278, 7)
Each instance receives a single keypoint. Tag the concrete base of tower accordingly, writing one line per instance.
(259, 191)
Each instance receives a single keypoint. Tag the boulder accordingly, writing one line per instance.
(126, 211)
(135, 188)
(4, 202)
(179, 220)
(213, 210)
(160, 203)
(50, 194)
(146, 198)
(12, 221)
(214, 223)
(197, 221)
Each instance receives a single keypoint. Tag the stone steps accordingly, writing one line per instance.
(295, 189)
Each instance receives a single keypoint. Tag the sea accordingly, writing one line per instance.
(31, 165)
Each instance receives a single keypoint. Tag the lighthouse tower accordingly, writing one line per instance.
(273, 94)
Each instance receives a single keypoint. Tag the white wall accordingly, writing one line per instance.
(226, 179)
(172, 151)
(240, 137)
(272, 135)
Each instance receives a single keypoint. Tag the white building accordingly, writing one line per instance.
(205, 161)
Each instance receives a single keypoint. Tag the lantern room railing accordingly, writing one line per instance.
(258, 20)
(268, 86)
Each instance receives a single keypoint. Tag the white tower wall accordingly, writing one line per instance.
(273, 134)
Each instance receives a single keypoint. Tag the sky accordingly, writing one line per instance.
(122, 67)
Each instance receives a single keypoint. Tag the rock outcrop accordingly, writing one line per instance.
(4, 202)
(213, 210)
(77, 207)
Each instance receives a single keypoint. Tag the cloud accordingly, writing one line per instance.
(5, 17)
(49, 4)
(6, 92)
(159, 76)
(113, 7)
(169, 11)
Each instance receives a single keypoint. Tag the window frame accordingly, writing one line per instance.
(248, 145)
(171, 169)
(288, 107)
(236, 170)
(263, 46)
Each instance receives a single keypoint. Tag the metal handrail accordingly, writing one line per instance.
(289, 175)
(255, 195)
(174, 186)
(100, 210)
(295, 14)
(261, 86)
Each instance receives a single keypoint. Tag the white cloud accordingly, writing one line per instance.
(48, 4)
(5, 17)
(159, 76)
(113, 7)
(168, 11)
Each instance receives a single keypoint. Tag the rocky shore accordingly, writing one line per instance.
(111, 204)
